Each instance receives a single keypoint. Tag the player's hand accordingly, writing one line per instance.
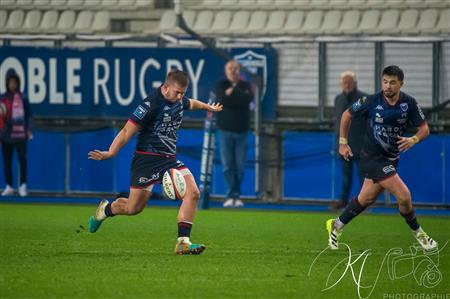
(405, 143)
(2, 109)
(99, 155)
(229, 91)
(214, 107)
(345, 151)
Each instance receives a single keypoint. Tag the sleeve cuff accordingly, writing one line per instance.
(134, 123)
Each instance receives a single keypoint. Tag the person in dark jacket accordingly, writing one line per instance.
(16, 132)
(233, 124)
(350, 94)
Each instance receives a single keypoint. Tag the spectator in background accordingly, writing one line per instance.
(15, 133)
(233, 124)
(349, 95)
(389, 113)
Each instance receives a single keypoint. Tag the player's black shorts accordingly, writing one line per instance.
(377, 167)
(148, 169)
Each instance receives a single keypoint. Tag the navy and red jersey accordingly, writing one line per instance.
(385, 122)
(159, 121)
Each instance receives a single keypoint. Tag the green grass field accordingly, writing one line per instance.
(250, 254)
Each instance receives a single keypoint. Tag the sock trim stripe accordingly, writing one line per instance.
(187, 222)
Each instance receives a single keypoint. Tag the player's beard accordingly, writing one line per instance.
(389, 94)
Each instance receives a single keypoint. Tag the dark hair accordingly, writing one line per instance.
(393, 70)
(177, 76)
(11, 74)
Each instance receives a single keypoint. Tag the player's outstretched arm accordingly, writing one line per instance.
(344, 149)
(405, 143)
(199, 105)
(2, 110)
(119, 141)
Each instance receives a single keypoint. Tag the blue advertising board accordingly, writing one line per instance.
(110, 82)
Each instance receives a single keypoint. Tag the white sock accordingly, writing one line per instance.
(101, 214)
(338, 224)
(184, 240)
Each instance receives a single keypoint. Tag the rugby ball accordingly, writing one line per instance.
(173, 184)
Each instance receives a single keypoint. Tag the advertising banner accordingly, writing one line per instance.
(110, 82)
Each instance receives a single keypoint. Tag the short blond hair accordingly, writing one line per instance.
(349, 73)
(178, 76)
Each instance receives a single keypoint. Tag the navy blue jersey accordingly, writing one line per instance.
(159, 121)
(386, 123)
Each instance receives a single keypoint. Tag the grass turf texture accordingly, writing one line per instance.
(250, 254)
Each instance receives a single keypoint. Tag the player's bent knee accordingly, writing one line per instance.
(196, 194)
(404, 200)
(134, 210)
(366, 201)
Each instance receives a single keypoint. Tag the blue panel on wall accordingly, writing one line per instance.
(421, 168)
(308, 165)
(189, 150)
(91, 175)
(310, 169)
(46, 163)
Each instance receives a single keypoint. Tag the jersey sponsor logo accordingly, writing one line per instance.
(402, 120)
(140, 112)
(166, 108)
(404, 107)
(386, 137)
(147, 103)
(379, 107)
(388, 169)
(378, 118)
(387, 131)
(144, 180)
(167, 118)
